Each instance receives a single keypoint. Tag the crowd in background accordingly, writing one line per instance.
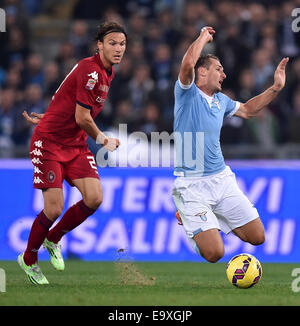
(251, 38)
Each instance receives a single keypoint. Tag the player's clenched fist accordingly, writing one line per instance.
(207, 33)
(109, 143)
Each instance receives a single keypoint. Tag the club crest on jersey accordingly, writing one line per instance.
(92, 81)
(51, 176)
(217, 102)
(202, 216)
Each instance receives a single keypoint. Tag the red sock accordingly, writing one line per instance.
(38, 232)
(73, 217)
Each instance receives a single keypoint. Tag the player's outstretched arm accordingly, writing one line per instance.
(186, 74)
(257, 103)
(86, 122)
(34, 118)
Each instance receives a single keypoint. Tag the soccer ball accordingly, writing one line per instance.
(244, 271)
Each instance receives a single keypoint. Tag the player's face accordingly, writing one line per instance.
(215, 76)
(113, 47)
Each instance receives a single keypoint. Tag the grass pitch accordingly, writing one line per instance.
(145, 284)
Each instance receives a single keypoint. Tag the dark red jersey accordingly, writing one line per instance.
(87, 84)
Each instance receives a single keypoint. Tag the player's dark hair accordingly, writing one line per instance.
(107, 28)
(204, 61)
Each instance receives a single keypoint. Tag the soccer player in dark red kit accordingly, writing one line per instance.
(59, 150)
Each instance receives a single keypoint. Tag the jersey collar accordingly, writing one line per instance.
(208, 98)
(100, 63)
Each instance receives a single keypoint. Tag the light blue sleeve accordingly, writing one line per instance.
(231, 106)
(183, 95)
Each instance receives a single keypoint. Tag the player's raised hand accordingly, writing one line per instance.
(279, 75)
(111, 144)
(207, 33)
(34, 118)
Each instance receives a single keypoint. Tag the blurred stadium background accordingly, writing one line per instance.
(44, 39)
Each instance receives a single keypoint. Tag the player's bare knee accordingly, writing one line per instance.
(258, 239)
(53, 212)
(53, 204)
(213, 256)
(93, 202)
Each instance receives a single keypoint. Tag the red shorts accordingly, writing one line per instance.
(53, 163)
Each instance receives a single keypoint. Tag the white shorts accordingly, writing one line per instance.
(212, 202)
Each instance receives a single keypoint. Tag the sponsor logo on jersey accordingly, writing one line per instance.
(100, 99)
(36, 152)
(37, 170)
(37, 180)
(38, 143)
(36, 161)
(94, 75)
(104, 88)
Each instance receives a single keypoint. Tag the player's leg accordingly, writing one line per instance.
(252, 232)
(53, 206)
(236, 213)
(200, 223)
(53, 203)
(91, 191)
(48, 178)
(81, 173)
(203, 233)
(210, 245)
(53, 199)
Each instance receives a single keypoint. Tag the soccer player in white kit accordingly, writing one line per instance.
(205, 192)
